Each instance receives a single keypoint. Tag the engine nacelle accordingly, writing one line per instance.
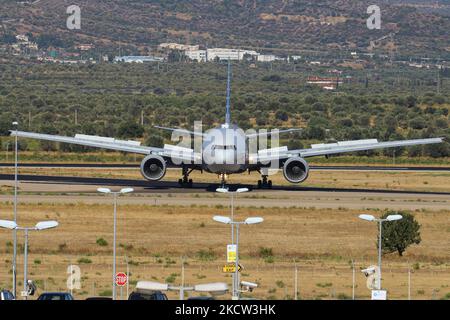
(296, 170)
(153, 167)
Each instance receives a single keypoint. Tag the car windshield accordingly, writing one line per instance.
(54, 297)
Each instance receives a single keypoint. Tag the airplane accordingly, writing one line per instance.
(225, 150)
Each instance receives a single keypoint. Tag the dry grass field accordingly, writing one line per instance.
(321, 241)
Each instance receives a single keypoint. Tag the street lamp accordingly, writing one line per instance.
(216, 288)
(115, 194)
(14, 271)
(226, 190)
(43, 225)
(369, 217)
(248, 221)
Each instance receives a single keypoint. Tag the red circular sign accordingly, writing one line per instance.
(121, 279)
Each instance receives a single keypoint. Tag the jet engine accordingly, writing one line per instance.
(296, 170)
(153, 167)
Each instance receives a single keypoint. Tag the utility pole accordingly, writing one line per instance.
(14, 269)
(295, 281)
(182, 279)
(409, 283)
(438, 80)
(379, 255)
(128, 276)
(76, 117)
(353, 280)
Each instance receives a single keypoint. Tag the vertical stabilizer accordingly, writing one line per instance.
(228, 114)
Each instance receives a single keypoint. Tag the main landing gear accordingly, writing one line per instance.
(185, 181)
(264, 183)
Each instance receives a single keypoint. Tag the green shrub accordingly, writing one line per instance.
(101, 242)
(84, 260)
(206, 255)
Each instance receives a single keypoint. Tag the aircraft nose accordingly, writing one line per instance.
(224, 157)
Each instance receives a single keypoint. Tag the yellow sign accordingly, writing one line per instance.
(231, 253)
(231, 268)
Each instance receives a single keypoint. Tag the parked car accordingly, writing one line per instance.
(6, 295)
(56, 296)
(99, 298)
(156, 295)
(201, 298)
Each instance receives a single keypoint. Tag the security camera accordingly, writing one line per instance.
(367, 272)
(31, 287)
(248, 286)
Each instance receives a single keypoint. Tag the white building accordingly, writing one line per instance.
(232, 54)
(266, 58)
(22, 38)
(219, 53)
(196, 55)
(177, 46)
(137, 59)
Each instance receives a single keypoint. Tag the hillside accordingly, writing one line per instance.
(294, 25)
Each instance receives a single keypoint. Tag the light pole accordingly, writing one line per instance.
(233, 193)
(380, 221)
(43, 225)
(115, 194)
(226, 190)
(14, 268)
(227, 220)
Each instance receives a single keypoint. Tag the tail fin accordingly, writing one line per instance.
(228, 114)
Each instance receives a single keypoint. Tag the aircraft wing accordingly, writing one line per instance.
(175, 153)
(92, 141)
(358, 145)
(182, 131)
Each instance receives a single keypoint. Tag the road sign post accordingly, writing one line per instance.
(121, 279)
(231, 253)
(231, 268)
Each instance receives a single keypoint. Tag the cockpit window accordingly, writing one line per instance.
(229, 147)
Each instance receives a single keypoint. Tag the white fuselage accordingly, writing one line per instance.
(225, 150)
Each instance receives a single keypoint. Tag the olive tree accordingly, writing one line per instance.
(399, 235)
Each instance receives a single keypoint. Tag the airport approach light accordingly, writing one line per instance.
(150, 286)
(222, 219)
(104, 190)
(394, 217)
(42, 225)
(115, 194)
(46, 225)
(211, 287)
(226, 190)
(107, 190)
(368, 217)
(254, 220)
(227, 220)
(8, 224)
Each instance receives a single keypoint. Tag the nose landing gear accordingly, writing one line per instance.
(223, 177)
(264, 183)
